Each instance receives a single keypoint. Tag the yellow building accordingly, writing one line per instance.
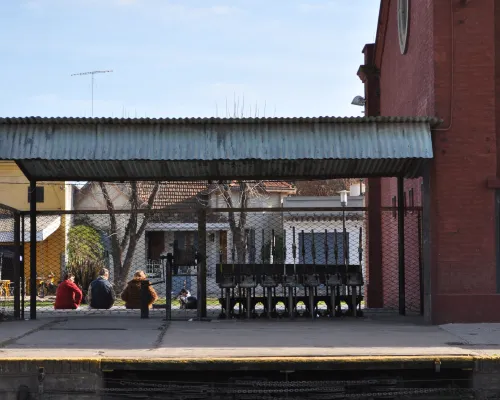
(51, 230)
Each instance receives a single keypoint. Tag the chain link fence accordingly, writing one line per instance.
(223, 263)
(391, 271)
(294, 263)
(9, 262)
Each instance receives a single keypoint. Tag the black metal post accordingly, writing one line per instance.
(311, 288)
(401, 246)
(273, 248)
(23, 279)
(202, 264)
(228, 303)
(345, 289)
(344, 239)
(326, 246)
(17, 274)
(269, 290)
(145, 299)
(168, 286)
(291, 288)
(32, 249)
(420, 264)
(303, 249)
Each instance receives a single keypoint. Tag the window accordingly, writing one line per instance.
(40, 194)
(306, 244)
(403, 24)
(185, 247)
(153, 269)
(186, 240)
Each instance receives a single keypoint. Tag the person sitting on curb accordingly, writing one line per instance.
(68, 295)
(101, 295)
(187, 302)
(132, 293)
(49, 288)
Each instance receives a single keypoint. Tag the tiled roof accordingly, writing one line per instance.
(270, 185)
(184, 194)
(180, 193)
(191, 194)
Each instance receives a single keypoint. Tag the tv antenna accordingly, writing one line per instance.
(92, 73)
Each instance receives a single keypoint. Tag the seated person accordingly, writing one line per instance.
(101, 295)
(68, 295)
(47, 287)
(132, 293)
(187, 301)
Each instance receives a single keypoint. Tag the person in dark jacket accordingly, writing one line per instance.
(132, 293)
(187, 302)
(68, 295)
(101, 295)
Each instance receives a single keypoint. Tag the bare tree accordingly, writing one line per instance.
(247, 189)
(237, 225)
(238, 220)
(123, 245)
(329, 187)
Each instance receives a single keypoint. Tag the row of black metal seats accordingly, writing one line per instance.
(296, 299)
(279, 271)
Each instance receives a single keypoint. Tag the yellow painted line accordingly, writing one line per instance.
(284, 359)
(67, 359)
(340, 359)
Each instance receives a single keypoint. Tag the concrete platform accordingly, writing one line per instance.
(130, 337)
(78, 356)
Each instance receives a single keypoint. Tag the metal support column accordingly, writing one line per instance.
(202, 264)
(145, 297)
(17, 266)
(426, 242)
(401, 246)
(497, 225)
(21, 272)
(33, 250)
(420, 263)
(168, 286)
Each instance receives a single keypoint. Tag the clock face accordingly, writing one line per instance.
(403, 22)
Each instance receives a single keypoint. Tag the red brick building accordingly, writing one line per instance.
(442, 58)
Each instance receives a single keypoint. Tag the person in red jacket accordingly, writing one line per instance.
(68, 295)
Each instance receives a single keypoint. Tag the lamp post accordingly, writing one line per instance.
(343, 197)
(343, 203)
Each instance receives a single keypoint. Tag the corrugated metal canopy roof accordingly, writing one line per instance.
(110, 149)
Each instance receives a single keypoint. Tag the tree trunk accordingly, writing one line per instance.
(127, 264)
(239, 239)
(131, 235)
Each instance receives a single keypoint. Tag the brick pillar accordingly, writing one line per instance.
(368, 73)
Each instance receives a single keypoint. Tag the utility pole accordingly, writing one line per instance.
(92, 73)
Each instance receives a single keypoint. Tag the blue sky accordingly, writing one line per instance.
(183, 58)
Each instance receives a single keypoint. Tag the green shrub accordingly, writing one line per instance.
(85, 255)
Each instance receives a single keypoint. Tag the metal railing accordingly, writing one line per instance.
(204, 241)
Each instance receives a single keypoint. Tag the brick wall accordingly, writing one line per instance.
(449, 70)
(463, 212)
(406, 81)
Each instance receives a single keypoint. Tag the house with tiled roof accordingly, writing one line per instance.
(173, 219)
